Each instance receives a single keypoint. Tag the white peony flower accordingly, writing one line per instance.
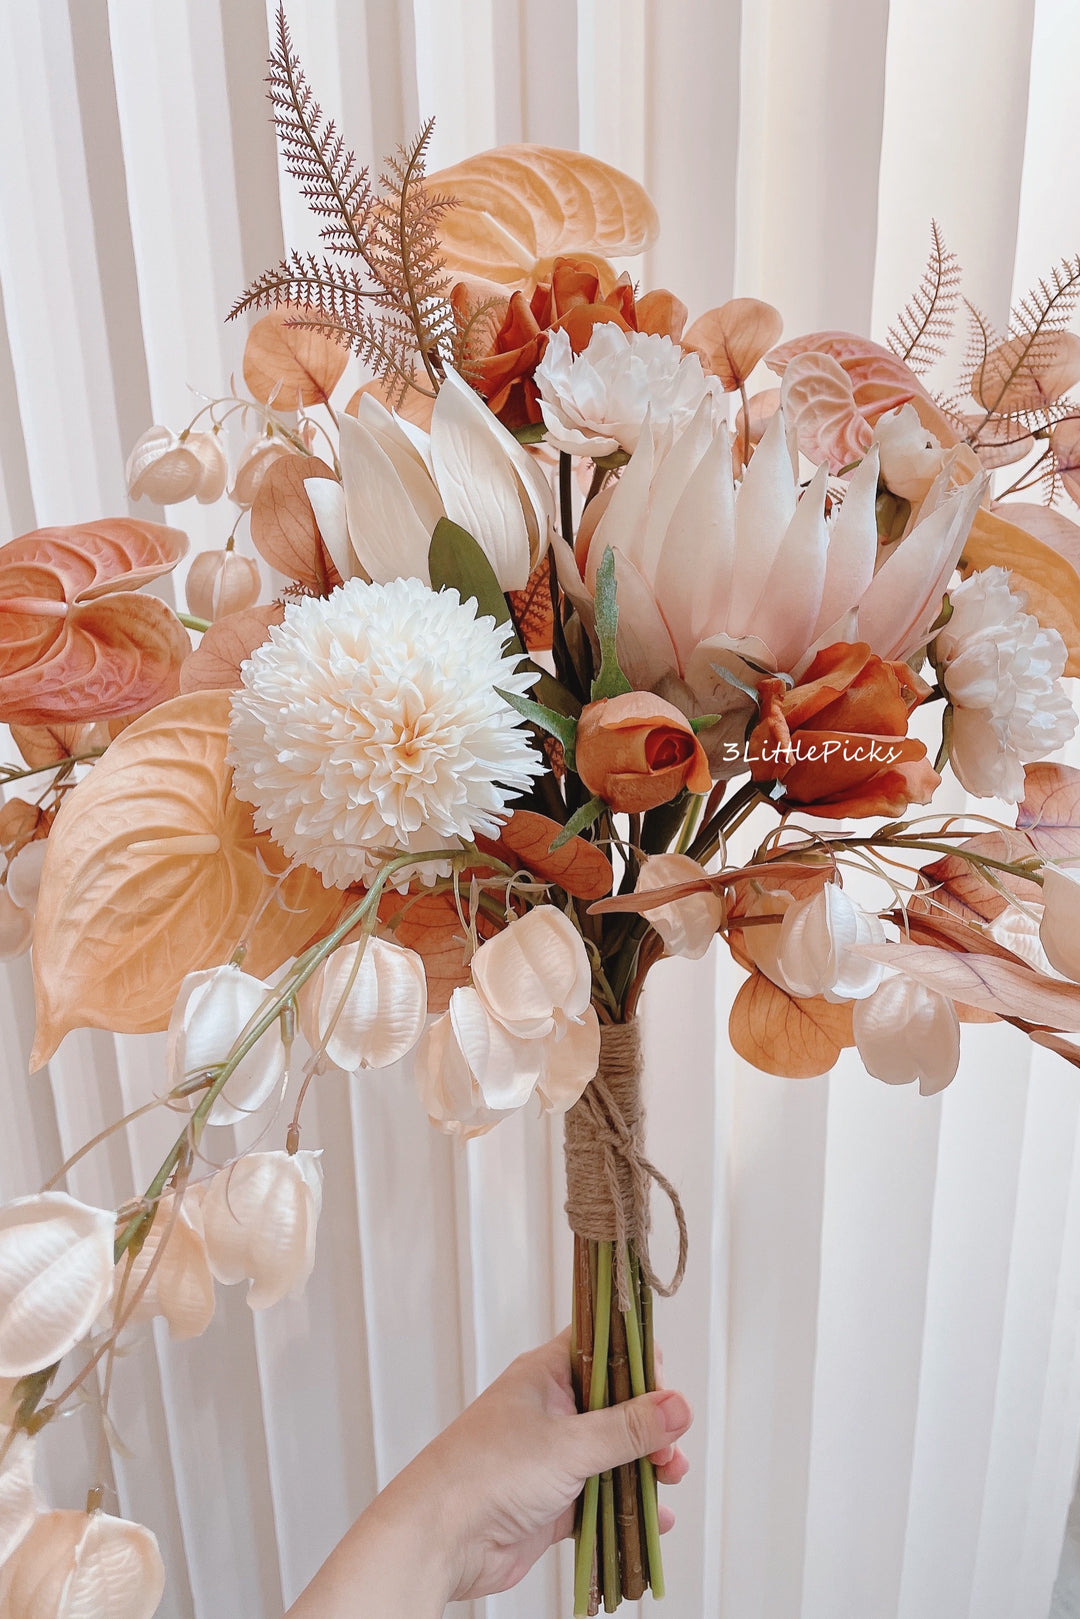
(596, 402)
(370, 722)
(259, 1220)
(687, 926)
(78, 1565)
(472, 1071)
(906, 1032)
(817, 944)
(1002, 673)
(911, 456)
(366, 1005)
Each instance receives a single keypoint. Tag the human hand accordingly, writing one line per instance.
(473, 1512)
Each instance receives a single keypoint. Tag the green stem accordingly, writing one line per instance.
(586, 1545)
(639, 1385)
(566, 496)
(609, 1544)
(190, 622)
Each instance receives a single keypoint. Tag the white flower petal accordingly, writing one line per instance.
(367, 1010)
(534, 976)
(18, 1499)
(259, 1220)
(905, 1031)
(687, 926)
(162, 469)
(24, 874)
(73, 1566)
(817, 940)
(505, 1068)
(16, 928)
(211, 1012)
(56, 1276)
(327, 498)
(905, 595)
(389, 536)
(181, 1287)
(571, 1063)
(207, 450)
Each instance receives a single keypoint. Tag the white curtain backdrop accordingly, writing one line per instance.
(879, 1323)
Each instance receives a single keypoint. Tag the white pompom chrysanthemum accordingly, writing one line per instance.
(1001, 670)
(370, 723)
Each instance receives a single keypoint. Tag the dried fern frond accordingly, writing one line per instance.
(1011, 388)
(392, 307)
(924, 325)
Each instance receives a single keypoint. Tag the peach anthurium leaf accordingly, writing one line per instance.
(117, 654)
(516, 207)
(819, 404)
(289, 366)
(214, 665)
(154, 869)
(1050, 813)
(1048, 577)
(794, 1036)
(880, 379)
(284, 530)
(89, 559)
(1010, 988)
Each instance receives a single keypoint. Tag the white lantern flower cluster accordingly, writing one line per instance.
(687, 925)
(526, 1025)
(1002, 673)
(168, 467)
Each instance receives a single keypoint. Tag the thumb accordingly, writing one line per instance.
(622, 1433)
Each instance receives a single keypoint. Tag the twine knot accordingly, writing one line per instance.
(609, 1180)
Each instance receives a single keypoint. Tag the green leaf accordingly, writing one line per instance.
(582, 818)
(705, 722)
(456, 561)
(531, 433)
(562, 726)
(610, 680)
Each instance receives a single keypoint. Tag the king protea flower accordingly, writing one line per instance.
(710, 574)
(398, 481)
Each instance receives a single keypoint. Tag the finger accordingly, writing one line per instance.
(674, 1471)
(621, 1433)
(666, 1519)
(660, 1458)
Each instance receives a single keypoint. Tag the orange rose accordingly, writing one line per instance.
(838, 739)
(636, 752)
(572, 301)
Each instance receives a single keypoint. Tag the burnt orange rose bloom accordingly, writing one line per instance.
(838, 739)
(572, 301)
(636, 752)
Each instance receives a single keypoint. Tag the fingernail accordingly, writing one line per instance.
(675, 1412)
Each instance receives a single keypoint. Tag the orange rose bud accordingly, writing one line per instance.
(838, 740)
(636, 751)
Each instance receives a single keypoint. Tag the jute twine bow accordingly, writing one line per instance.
(608, 1177)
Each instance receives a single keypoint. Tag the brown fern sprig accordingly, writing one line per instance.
(1033, 324)
(924, 325)
(332, 182)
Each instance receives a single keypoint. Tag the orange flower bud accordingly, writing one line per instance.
(636, 751)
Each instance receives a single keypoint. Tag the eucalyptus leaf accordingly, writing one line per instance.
(578, 822)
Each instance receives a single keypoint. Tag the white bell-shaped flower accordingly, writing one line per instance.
(366, 1005)
(906, 1032)
(181, 1287)
(816, 950)
(687, 926)
(259, 1220)
(168, 468)
(56, 1276)
(211, 1013)
(253, 465)
(534, 976)
(75, 1565)
(18, 1499)
(1059, 930)
(571, 1063)
(220, 583)
(24, 874)
(16, 928)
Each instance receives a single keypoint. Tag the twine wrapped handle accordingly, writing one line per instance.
(609, 1180)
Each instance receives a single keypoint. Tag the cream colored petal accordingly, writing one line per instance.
(162, 469)
(853, 544)
(535, 974)
(906, 594)
(1059, 929)
(624, 523)
(327, 498)
(817, 938)
(790, 601)
(694, 570)
(56, 1276)
(762, 944)
(447, 1089)
(18, 1499)
(181, 1287)
(368, 1009)
(16, 928)
(73, 1566)
(506, 1069)
(259, 1219)
(212, 1012)
(571, 1064)
(687, 926)
(24, 874)
(208, 451)
(475, 464)
(389, 536)
(764, 507)
(905, 1031)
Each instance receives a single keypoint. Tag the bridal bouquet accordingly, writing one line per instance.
(450, 747)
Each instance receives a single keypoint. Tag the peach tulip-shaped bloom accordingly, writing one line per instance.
(1059, 929)
(906, 1032)
(637, 751)
(366, 1005)
(398, 481)
(818, 943)
(259, 1220)
(687, 926)
(707, 573)
(78, 1565)
(534, 976)
(56, 1276)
